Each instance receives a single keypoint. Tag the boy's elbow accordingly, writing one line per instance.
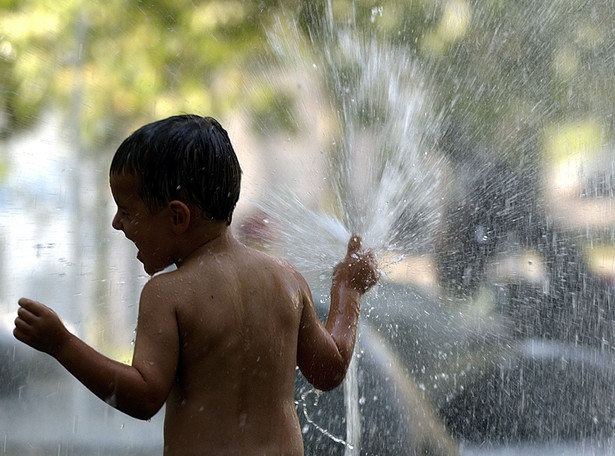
(144, 416)
(329, 379)
(329, 385)
(142, 409)
(326, 373)
(144, 413)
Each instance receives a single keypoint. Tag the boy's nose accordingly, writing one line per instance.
(116, 223)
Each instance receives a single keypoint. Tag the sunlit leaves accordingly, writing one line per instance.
(451, 27)
(123, 62)
(500, 67)
(572, 141)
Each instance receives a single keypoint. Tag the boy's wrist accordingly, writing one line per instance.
(61, 344)
(347, 288)
(350, 286)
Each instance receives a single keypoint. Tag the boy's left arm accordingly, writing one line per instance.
(324, 352)
(138, 390)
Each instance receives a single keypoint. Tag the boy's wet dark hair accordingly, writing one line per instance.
(185, 157)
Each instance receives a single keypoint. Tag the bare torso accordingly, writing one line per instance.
(217, 342)
(238, 321)
(218, 339)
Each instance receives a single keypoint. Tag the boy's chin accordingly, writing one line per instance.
(155, 269)
(151, 271)
(149, 267)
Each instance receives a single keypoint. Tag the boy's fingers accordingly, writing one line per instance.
(31, 306)
(354, 244)
(20, 325)
(23, 313)
(24, 302)
(17, 333)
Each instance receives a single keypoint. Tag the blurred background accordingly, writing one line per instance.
(470, 142)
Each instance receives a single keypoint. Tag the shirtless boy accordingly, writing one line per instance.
(218, 338)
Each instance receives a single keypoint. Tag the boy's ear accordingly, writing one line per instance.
(180, 216)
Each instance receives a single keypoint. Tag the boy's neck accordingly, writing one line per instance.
(211, 236)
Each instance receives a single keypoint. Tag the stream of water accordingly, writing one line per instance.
(381, 169)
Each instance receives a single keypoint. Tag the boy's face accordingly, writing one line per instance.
(150, 232)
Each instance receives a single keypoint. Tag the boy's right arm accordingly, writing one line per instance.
(324, 352)
(139, 389)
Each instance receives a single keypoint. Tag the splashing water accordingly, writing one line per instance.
(382, 171)
(303, 406)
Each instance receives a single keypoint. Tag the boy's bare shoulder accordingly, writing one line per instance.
(212, 270)
(264, 268)
(163, 286)
(280, 265)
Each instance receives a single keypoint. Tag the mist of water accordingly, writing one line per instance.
(381, 169)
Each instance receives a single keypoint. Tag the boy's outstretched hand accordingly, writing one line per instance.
(358, 269)
(39, 327)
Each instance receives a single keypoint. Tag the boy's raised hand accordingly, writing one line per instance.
(39, 327)
(359, 268)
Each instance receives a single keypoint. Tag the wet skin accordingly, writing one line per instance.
(218, 338)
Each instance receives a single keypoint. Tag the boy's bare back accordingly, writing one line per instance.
(238, 324)
(238, 316)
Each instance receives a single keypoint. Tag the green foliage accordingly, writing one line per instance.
(504, 69)
(522, 66)
(112, 65)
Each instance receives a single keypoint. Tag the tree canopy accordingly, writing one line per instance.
(117, 62)
(501, 67)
